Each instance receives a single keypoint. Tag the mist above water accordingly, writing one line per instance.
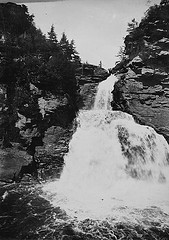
(113, 164)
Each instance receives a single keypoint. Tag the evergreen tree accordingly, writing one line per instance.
(74, 54)
(27, 56)
(52, 37)
(64, 44)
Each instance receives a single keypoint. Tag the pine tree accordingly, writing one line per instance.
(64, 44)
(52, 37)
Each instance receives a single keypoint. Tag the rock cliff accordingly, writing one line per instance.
(41, 124)
(42, 86)
(88, 77)
(143, 86)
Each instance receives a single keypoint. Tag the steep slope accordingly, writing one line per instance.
(143, 86)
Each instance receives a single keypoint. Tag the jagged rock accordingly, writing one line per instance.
(143, 90)
(148, 72)
(163, 43)
(137, 61)
(130, 74)
(161, 74)
(149, 103)
(50, 104)
(11, 161)
(88, 85)
(164, 53)
(88, 92)
(89, 73)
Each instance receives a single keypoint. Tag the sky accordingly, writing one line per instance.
(98, 27)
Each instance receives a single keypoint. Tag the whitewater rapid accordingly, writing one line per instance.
(113, 166)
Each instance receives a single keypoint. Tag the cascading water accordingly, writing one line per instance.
(104, 96)
(114, 167)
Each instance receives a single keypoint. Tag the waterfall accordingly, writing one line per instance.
(104, 95)
(112, 162)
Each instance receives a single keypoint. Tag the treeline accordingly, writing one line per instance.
(28, 56)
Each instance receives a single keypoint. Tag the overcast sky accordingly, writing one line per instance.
(97, 26)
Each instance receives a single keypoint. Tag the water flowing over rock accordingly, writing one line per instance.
(112, 162)
(103, 97)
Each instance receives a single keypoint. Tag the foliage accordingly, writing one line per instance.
(152, 27)
(14, 19)
(121, 54)
(31, 56)
(28, 56)
(52, 38)
(164, 2)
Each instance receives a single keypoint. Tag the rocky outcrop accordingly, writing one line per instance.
(87, 93)
(34, 114)
(143, 86)
(38, 125)
(89, 73)
(88, 77)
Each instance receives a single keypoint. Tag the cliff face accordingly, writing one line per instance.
(143, 86)
(38, 124)
(27, 124)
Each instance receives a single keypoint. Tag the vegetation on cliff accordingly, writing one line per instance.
(30, 60)
(153, 27)
(143, 86)
(41, 90)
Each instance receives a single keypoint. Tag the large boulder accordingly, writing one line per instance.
(11, 162)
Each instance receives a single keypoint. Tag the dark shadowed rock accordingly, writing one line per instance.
(37, 132)
(11, 161)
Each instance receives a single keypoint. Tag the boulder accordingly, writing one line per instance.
(11, 162)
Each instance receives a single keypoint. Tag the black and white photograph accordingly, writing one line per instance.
(84, 120)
